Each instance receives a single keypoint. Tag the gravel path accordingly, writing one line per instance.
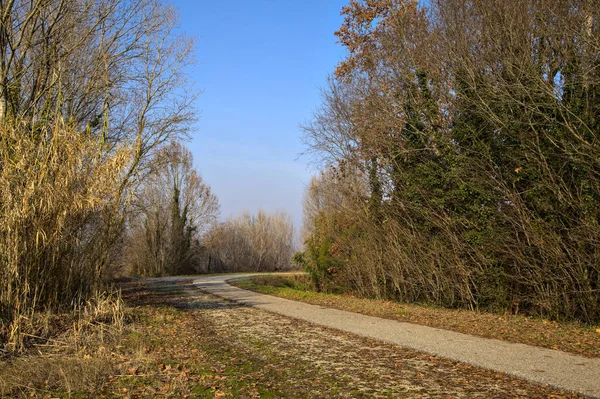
(561, 370)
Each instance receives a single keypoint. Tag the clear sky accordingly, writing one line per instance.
(260, 65)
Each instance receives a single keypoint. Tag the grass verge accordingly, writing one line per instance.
(163, 349)
(569, 337)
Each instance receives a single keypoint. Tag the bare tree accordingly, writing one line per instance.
(174, 209)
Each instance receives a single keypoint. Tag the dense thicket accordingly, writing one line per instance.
(89, 89)
(462, 156)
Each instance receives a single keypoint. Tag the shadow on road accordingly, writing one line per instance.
(181, 294)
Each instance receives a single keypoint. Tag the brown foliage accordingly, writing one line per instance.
(473, 125)
(61, 207)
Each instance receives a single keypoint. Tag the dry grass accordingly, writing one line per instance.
(60, 207)
(569, 337)
(69, 352)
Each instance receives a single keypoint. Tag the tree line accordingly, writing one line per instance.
(459, 146)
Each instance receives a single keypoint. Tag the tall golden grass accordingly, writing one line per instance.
(61, 208)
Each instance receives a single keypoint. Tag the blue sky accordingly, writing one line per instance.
(260, 65)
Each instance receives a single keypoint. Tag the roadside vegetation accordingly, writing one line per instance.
(95, 178)
(460, 157)
(90, 91)
(259, 242)
(565, 336)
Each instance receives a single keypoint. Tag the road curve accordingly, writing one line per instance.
(545, 366)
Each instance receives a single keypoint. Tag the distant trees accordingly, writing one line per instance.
(173, 208)
(262, 242)
(472, 128)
